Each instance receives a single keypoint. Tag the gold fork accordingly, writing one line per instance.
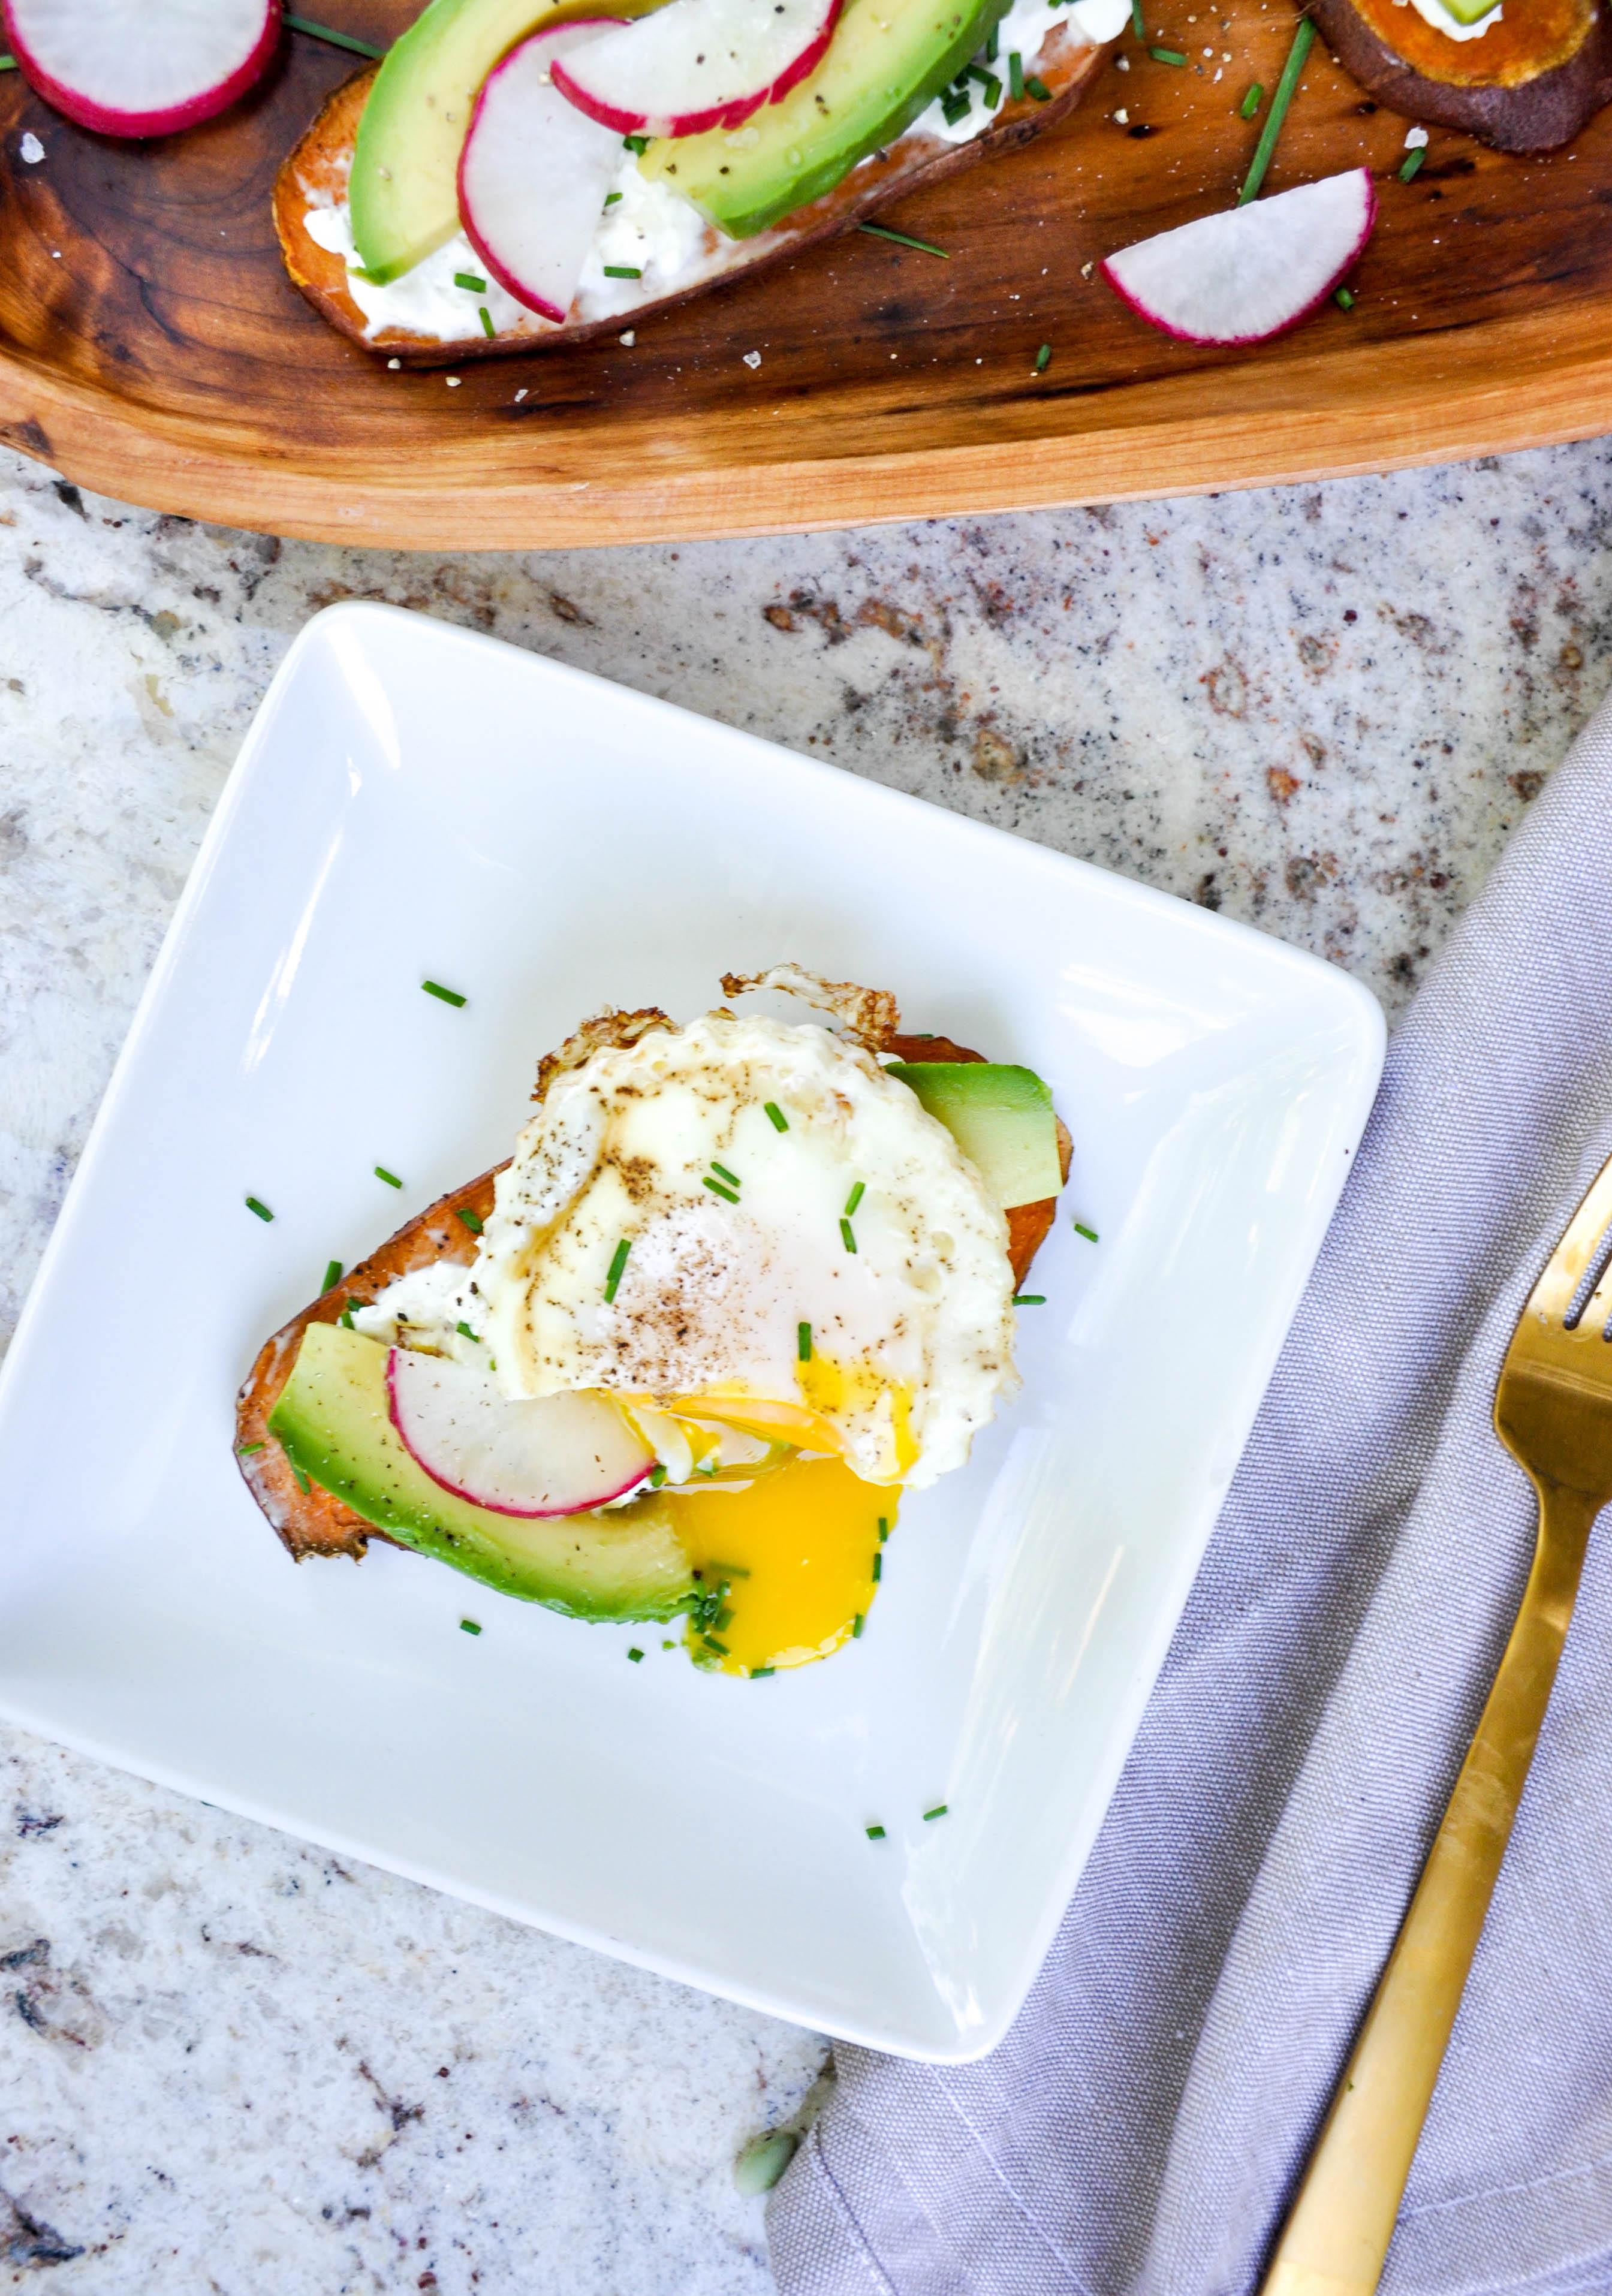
(1554, 1412)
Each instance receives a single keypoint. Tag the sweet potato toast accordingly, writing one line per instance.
(315, 174)
(1527, 84)
(309, 1520)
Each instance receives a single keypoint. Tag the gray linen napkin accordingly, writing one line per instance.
(1138, 2130)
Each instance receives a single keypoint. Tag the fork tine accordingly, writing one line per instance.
(1564, 1272)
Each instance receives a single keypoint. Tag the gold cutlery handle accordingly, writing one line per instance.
(1337, 2235)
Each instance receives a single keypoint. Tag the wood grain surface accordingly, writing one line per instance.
(151, 347)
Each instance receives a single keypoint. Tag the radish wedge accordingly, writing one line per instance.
(557, 1454)
(141, 67)
(697, 64)
(1249, 273)
(534, 172)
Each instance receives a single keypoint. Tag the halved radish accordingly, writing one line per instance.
(141, 67)
(697, 64)
(1250, 272)
(558, 1455)
(534, 170)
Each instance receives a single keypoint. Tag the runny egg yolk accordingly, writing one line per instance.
(797, 1550)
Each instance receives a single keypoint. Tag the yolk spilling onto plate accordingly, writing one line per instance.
(798, 1549)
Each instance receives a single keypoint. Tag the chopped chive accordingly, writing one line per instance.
(656, 1475)
(1043, 359)
(1016, 76)
(1344, 298)
(616, 1264)
(716, 1189)
(623, 271)
(245, 1450)
(989, 85)
(488, 328)
(779, 1121)
(469, 1626)
(991, 44)
(465, 1331)
(856, 1627)
(1090, 1233)
(901, 239)
(448, 995)
(9, 63)
(262, 1210)
(302, 1481)
(847, 1235)
(878, 1569)
(874, 1833)
(884, 1528)
(722, 1619)
(391, 1179)
(955, 104)
(711, 1642)
(610, 198)
(722, 1173)
(468, 280)
(1136, 20)
(1411, 163)
(855, 1197)
(939, 1810)
(1038, 88)
(1029, 1299)
(1167, 55)
(635, 1654)
(728, 1570)
(760, 1673)
(638, 143)
(978, 72)
(802, 1342)
(346, 1318)
(334, 39)
(1251, 101)
(1302, 38)
(333, 1275)
(473, 1220)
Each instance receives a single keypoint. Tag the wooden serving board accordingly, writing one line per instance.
(153, 347)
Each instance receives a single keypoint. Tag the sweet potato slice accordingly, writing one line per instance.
(1528, 85)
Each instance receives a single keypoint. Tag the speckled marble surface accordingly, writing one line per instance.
(228, 2063)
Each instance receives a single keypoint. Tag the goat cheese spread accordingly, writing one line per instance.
(1024, 31)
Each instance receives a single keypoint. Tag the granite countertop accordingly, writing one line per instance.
(231, 2064)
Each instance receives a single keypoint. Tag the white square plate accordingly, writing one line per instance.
(414, 802)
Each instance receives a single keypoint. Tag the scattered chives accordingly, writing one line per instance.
(855, 1197)
(1302, 38)
(302, 1481)
(1251, 101)
(991, 44)
(923, 247)
(465, 1331)
(436, 988)
(847, 1235)
(1016, 76)
(610, 198)
(333, 1275)
(874, 1833)
(346, 1318)
(716, 1189)
(469, 1626)
(635, 1654)
(722, 1173)
(856, 1627)
(884, 1528)
(760, 1673)
(711, 1642)
(955, 104)
(391, 1179)
(656, 1475)
(638, 143)
(1136, 18)
(616, 1265)
(990, 86)
(245, 1450)
(779, 1121)
(334, 39)
(488, 328)
(878, 1569)
(1167, 55)
(803, 1341)
(939, 1810)
(473, 1220)
(623, 271)
(469, 280)
(1029, 1299)
(1043, 359)
(1038, 88)
(1344, 299)
(1411, 163)
(728, 1570)
(1090, 1233)
(8, 64)
(262, 1210)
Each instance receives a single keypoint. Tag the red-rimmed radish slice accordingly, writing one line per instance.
(558, 1455)
(1249, 273)
(534, 170)
(141, 67)
(696, 64)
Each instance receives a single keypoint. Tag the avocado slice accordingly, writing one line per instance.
(331, 1421)
(403, 188)
(887, 60)
(1001, 1118)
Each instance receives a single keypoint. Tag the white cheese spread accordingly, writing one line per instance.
(425, 301)
(1024, 31)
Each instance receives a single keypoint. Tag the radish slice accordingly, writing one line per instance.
(697, 64)
(558, 1454)
(141, 67)
(1250, 272)
(534, 172)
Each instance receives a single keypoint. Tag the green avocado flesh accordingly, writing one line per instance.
(887, 60)
(403, 188)
(1467, 12)
(1001, 1118)
(331, 1421)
